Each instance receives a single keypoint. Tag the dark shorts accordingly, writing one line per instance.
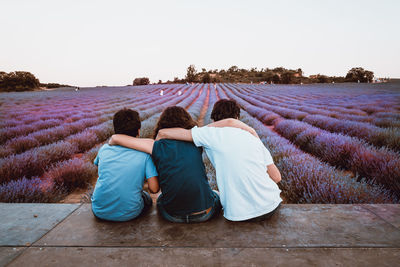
(148, 202)
(202, 217)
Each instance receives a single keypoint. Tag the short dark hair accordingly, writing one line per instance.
(225, 109)
(173, 117)
(127, 121)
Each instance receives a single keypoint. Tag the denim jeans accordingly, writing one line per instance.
(215, 209)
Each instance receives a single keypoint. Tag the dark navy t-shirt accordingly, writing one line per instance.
(182, 177)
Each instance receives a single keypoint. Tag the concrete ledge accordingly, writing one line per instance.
(208, 257)
(24, 224)
(328, 235)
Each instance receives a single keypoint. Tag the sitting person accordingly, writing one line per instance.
(118, 194)
(186, 195)
(246, 174)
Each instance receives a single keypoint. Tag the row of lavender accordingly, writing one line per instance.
(53, 162)
(67, 166)
(306, 179)
(314, 178)
(377, 164)
(379, 108)
(73, 113)
(53, 134)
(334, 121)
(27, 120)
(378, 100)
(68, 108)
(23, 140)
(46, 102)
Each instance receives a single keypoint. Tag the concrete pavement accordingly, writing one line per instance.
(297, 235)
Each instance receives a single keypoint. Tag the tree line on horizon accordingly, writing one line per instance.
(26, 81)
(278, 75)
(19, 81)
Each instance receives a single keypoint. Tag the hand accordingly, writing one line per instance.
(159, 135)
(112, 142)
(253, 132)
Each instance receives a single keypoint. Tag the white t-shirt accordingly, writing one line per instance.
(240, 160)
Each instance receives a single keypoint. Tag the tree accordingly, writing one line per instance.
(18, 81)
(322, 79)
(54, 85)
(206, 78)
(191, 73)
(233, 69)
(141, 81)
(300, 72)
(287, 77)
(279, 70)
(276, 78)
(359, 74)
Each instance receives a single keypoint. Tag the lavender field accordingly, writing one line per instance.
(333, 143)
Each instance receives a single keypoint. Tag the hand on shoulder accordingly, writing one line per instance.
(112, 141)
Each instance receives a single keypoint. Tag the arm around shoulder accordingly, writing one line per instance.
(141, 144)
(235, 124)
(175, 134)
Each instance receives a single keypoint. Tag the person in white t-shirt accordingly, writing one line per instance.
(246, 174)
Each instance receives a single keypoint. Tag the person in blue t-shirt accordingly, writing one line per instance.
(186, 194)
(118, 194)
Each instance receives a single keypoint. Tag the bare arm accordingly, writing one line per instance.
(175, 134)
(235, 124)
(141, 144)
(274, 173)
(153, 184)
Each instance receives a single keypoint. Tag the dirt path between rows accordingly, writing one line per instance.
(197, 97)
(204, 109)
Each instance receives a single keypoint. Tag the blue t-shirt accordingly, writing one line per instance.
(122, 171)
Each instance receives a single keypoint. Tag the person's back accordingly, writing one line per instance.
(118, 194)
(122, 171)
(240, 160)
(183, 181)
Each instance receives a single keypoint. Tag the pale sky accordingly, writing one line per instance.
(94, 42)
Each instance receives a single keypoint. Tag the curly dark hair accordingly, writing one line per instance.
(224, 109)
(173, 117)
(127, 121)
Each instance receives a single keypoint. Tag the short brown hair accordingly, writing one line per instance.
(224, 109)
(127, 121)
(174, 117)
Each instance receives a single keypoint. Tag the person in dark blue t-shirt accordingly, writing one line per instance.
(186, 194)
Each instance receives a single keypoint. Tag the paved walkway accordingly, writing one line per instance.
(297, 235)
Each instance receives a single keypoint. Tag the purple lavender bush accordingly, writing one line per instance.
(34, 162)
(378, 165)
(74, 173)
(29, 191)
(306, 179)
